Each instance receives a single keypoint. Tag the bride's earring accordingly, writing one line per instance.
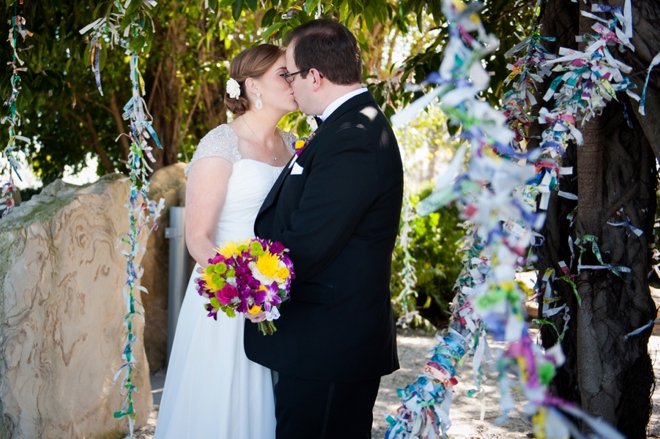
(259, 105)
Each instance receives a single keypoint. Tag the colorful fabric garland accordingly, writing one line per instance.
(499, 192)
(13, 118)
(142, 212)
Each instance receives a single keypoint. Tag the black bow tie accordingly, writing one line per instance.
(318, 120)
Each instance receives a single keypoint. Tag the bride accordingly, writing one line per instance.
(211, 389)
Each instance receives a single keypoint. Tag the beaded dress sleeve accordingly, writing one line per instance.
(221, 141)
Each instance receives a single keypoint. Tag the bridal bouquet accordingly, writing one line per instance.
(247, 277)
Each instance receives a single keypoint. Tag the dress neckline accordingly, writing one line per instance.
(254, 160)
(259, 161)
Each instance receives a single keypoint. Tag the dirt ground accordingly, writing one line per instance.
(465, 412)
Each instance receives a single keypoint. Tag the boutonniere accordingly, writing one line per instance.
(300, 145)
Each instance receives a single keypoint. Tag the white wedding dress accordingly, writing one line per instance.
(211, 389)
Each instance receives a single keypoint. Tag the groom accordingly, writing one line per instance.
(336, 206)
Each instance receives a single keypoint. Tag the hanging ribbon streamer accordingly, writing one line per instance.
(8, 196)
(590, 79)
(17, 27)
(642, 101)
(503, 223)
(142, 212)
(408, 273)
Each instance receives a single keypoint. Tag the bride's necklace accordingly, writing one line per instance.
(255, 136)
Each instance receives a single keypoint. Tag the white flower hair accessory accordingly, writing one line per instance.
(233, 88)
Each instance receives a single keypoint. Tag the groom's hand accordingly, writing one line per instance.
(256, 318)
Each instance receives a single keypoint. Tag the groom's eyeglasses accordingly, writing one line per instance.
(289, 77)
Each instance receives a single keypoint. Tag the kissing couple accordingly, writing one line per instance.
(335, 203)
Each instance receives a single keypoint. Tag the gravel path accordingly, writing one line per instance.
(465, 412)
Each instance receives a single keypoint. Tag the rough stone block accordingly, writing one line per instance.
(61, 314)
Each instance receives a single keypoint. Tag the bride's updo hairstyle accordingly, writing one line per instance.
(250, 63)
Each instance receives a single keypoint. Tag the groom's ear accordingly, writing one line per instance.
(317, 78)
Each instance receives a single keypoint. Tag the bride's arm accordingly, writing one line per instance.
(206, 191)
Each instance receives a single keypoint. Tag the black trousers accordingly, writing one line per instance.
(307, 409)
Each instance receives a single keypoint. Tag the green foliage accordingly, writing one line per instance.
(434, 245)
(190, 46)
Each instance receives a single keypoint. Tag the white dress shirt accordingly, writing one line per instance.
(337, 102)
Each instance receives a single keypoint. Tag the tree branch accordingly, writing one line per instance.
(156, 82)
(503, 14)
(190, 115)
(88, 123)
(119, 122)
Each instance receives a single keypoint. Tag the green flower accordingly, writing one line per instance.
(256, 249)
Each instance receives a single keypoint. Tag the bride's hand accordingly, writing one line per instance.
(256, 318)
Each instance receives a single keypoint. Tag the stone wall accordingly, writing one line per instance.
(61, 314)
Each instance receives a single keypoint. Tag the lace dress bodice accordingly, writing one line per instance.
(248, 185)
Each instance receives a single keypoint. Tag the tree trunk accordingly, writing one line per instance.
(598, 391)
(615, 180)
(165, 92)
(182, 99)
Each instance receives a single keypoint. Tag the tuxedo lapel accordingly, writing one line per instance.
(359, 100)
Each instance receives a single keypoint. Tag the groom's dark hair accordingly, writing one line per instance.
(328, 47)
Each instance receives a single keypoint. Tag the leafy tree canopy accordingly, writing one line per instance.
(186, 51)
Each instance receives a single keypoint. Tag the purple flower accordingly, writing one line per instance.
(271, 297)
(217, 259)
(242, 270)
(277, 248)
(259, 295)
(252, 282)
(243, 305)
(212, 311)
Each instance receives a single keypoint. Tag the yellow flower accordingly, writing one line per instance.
(300, 144)
(254, 309)
(283, 273)
(268, 265)
(230, 248)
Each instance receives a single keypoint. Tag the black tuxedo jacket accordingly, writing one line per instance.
(339, 217)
